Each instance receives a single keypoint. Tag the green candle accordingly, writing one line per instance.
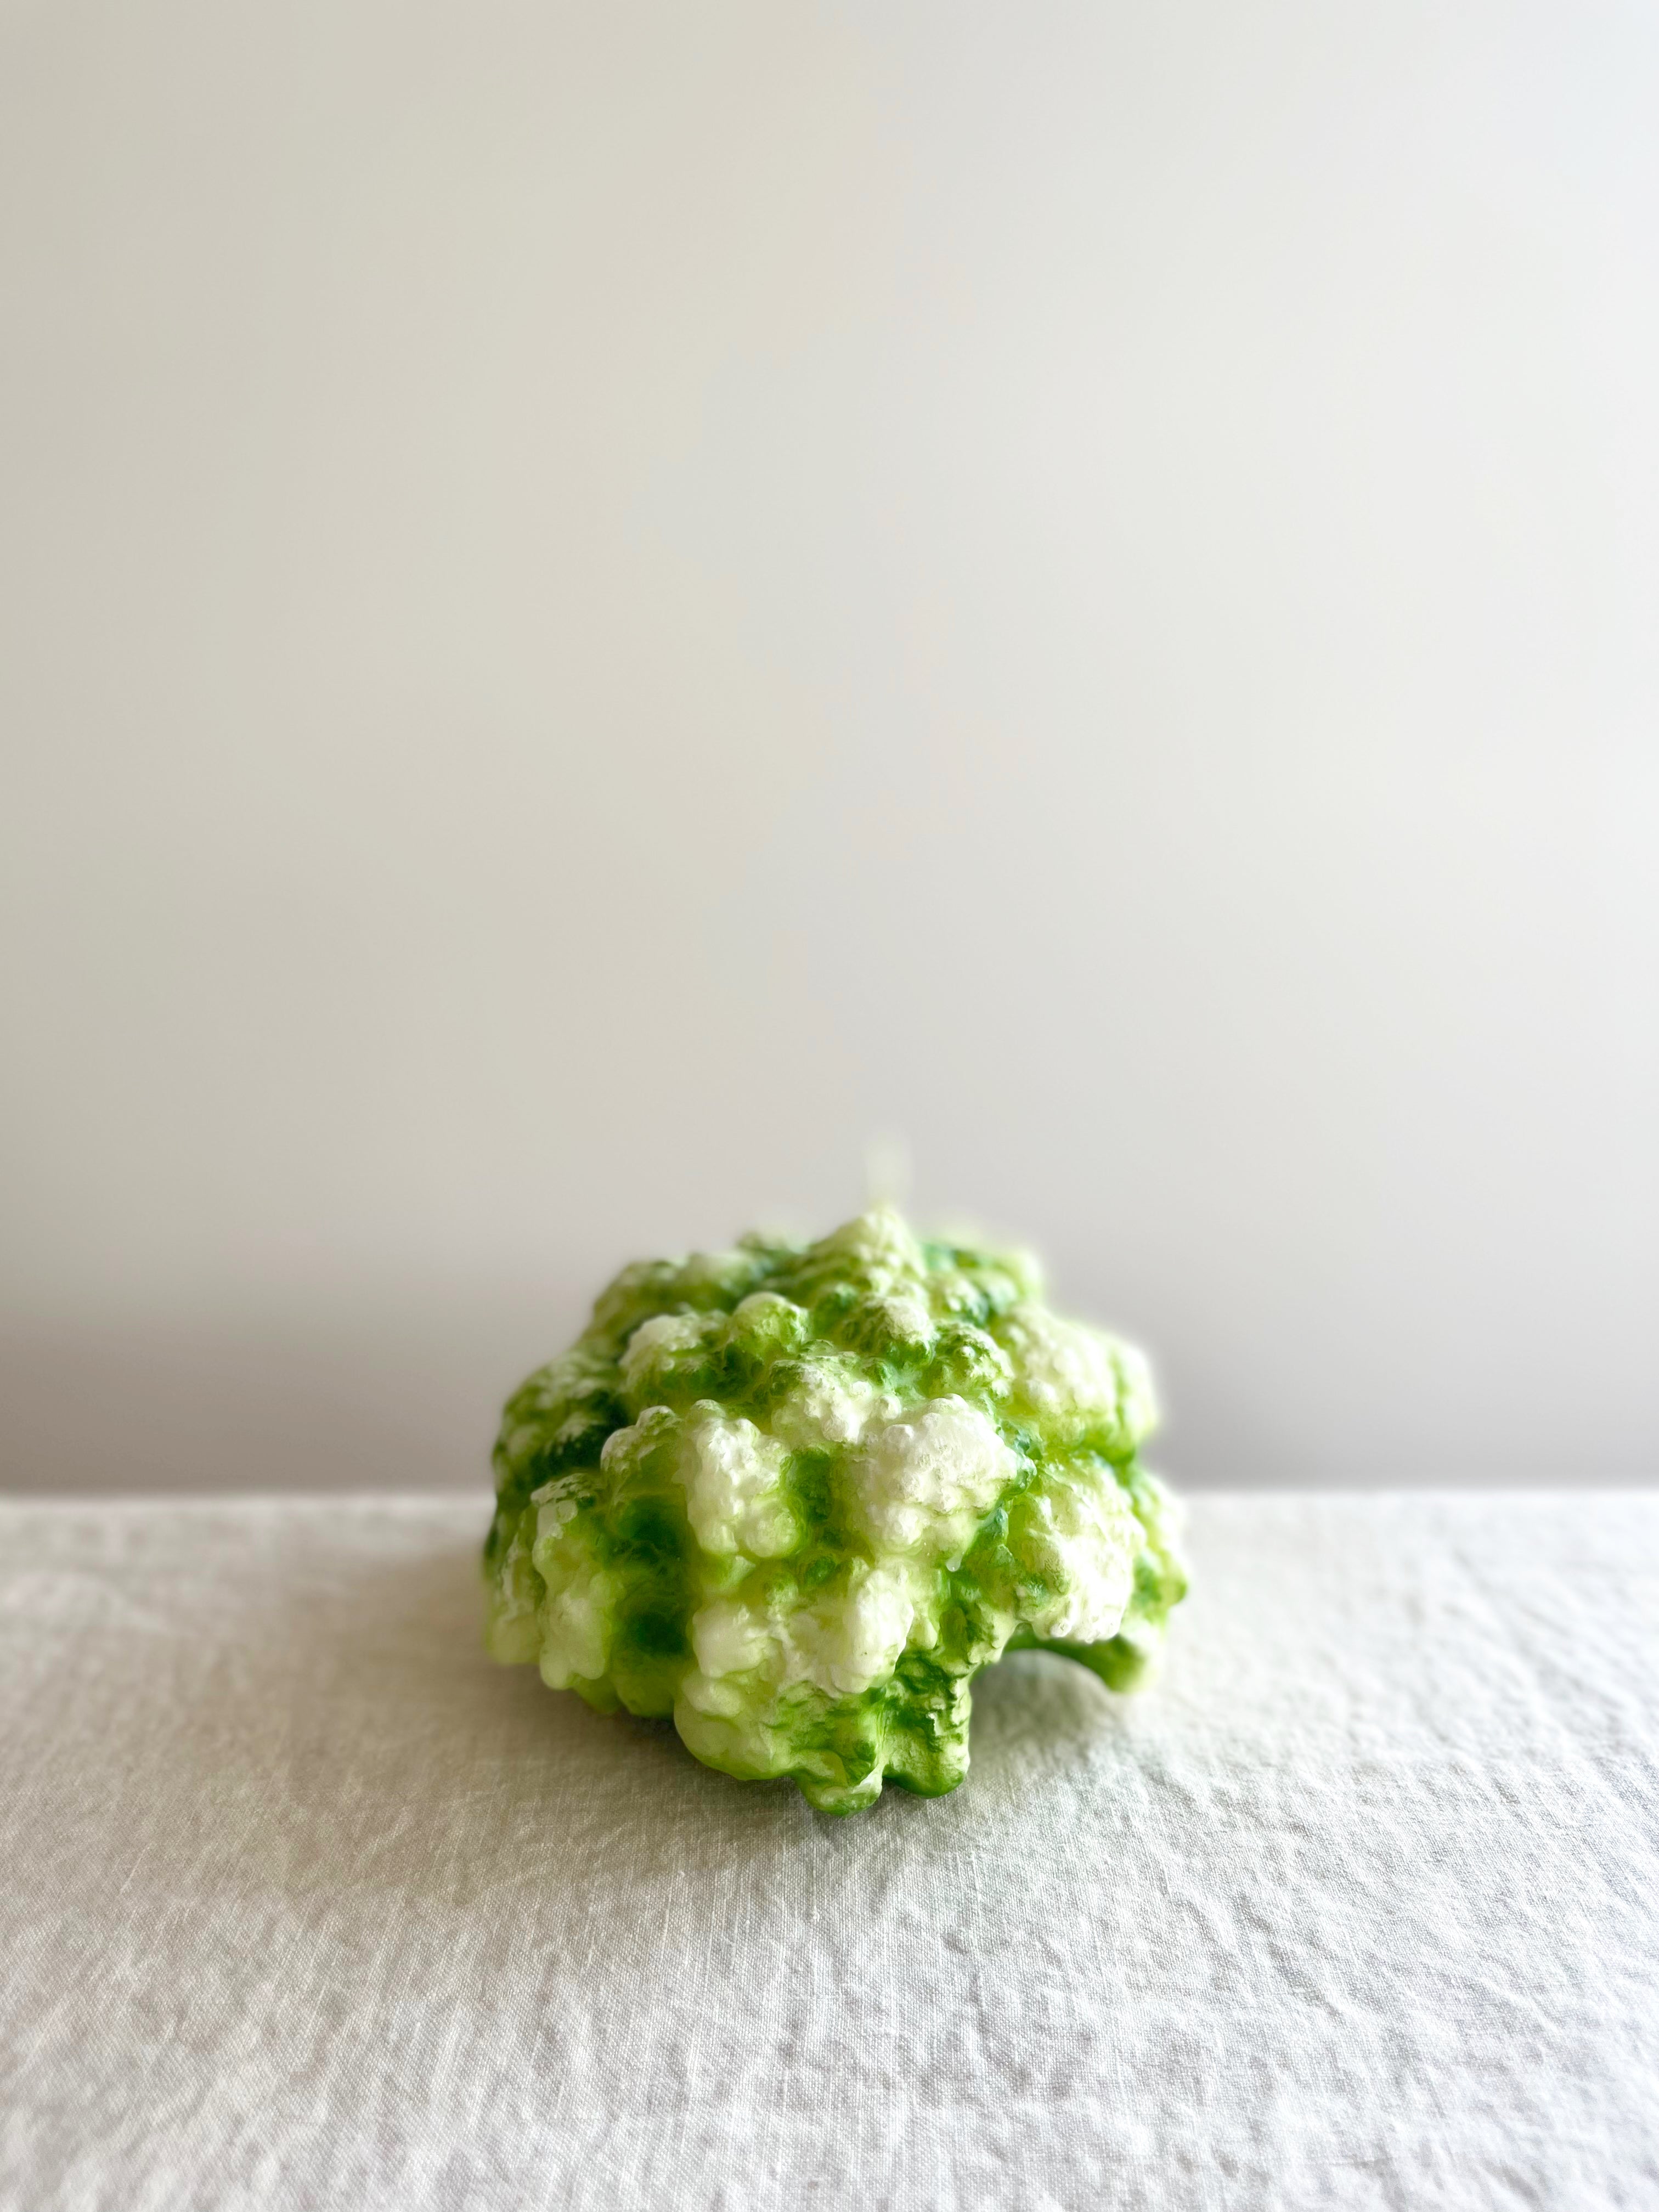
(796, 1495)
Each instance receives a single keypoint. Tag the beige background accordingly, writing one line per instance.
(604, 604)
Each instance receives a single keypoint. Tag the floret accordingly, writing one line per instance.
(796, 1497)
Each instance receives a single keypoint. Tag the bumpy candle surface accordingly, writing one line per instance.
(796, 1495)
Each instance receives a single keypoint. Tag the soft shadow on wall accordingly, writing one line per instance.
(406, 1396)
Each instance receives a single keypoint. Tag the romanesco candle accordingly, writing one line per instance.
(797, 1496)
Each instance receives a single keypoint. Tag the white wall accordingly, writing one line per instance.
(605, 602)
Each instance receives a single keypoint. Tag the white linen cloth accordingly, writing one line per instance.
(307, 1903)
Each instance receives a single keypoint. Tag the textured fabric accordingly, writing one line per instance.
(307, 1903)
